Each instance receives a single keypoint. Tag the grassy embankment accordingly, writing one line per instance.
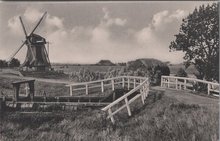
(162, 118)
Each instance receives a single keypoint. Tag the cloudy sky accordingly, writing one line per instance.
(85, 32)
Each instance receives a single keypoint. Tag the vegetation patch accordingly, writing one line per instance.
(161, 118)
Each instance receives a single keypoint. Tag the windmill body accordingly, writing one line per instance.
(37, 56)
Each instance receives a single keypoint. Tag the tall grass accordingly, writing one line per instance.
(161, 119)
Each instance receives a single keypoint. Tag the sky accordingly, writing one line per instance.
(86, 32)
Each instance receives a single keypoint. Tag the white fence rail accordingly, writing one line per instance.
(183, 83)
(105, 84)
(139, 86)
(142, 89)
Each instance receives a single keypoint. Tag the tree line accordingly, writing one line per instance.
(13, 63)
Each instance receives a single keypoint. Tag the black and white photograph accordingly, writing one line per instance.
(109, 71)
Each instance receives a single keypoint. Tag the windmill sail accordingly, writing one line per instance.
(36, 56)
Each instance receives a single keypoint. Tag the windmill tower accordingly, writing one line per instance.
(37, 56)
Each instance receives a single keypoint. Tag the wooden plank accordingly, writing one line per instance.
(134, 82)
(192, 79)
(23, 81)
(128, 83)
(113, 85)
(111, 116)
(124, 106)
(66, 103)
(71, 91)
(128, 107)
(123, 82)
(87, 89)
(142, 97)
(208, 89)
(184, 84)
(176, 83)
(102, 86)
(124, 96)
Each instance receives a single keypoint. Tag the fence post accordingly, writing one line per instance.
(123, 82)
(113, 85)
(142, 96)
(168, 82)
(102, 86)
(128, 83)
(45, 98)
(184, 84)
(161, 81)
(71, 91)
(176, 84)
(110, 115)
(194, 83)
(87, 91)
(127, 105)
(208, 89)
(26, 89)
(134, 82)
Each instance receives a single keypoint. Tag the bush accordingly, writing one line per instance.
(157, 72)
(181, 73)
(3, 64)
(14, 63)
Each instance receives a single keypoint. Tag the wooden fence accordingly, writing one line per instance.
(86, 88)
(183, 83)
(139, 85)
(143, 90)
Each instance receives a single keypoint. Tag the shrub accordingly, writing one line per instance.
(181, 73)
(3, 64)
(157, 72)
(14, 63)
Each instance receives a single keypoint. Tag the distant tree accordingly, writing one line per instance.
(199, 39)
(121, 64)
(14, 63)
(181, 72)
(105, 63)
(157, 72)
(3, 64)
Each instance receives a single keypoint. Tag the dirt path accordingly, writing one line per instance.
(37, 79)
(190, 98)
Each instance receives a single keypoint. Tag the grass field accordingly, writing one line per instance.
(162, 118)
(51, 89)
(72, 68)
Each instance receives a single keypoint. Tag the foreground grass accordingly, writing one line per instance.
(161, 119)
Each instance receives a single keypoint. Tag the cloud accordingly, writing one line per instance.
(30, 18)
(178, 14)
(156, 36)
(31, 14)
(14, 25)
(165, 17)
(53, 23)
(160, 18)
(89, 44)
(109, 21)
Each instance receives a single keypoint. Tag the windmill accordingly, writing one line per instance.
(37, 55)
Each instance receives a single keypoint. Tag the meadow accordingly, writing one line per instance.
(68, 69)
(94, 68)
(162, 118)
(51, 89)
